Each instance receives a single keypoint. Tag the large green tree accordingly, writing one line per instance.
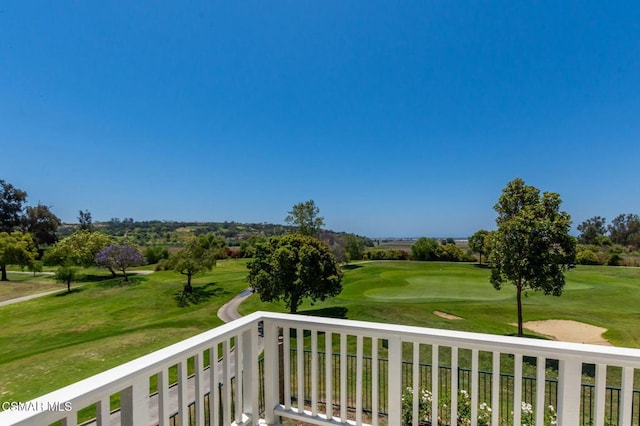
(16, 248)
(353, 247)
(43, 225)
(79, 248)
(425, 249)
(305, 217)
(591, 229)
(294, 267)
(625, 230)
(11, 201)
(477, 243)
(198, 255)
(531, 247)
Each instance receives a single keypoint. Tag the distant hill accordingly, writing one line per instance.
(174, 234)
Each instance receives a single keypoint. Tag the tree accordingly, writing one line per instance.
(305, 217)
(11, 200)
(66, 274)
(425, 249)
(531, 247)
(476, 243)
(294, 267)
(119, 257)
(79, 248)
(42, 224)
(85, 221)
(625, 230)
(154, 255)
(353, 247)
(591, 229)
(198, 255)
(16, 248)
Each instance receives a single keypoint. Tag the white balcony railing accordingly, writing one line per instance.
(293, 378)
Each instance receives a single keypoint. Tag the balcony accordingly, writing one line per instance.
(365, 369)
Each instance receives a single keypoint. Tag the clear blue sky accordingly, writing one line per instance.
(397, 119)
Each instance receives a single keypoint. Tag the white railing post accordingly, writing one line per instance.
(271, 371)
(163, 398)
(395, 381)
(626, 396)
(134, 403)
(103, 412)
(250, 375)
(569, 384)
(601, 394)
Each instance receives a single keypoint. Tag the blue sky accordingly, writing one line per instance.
(397, 119)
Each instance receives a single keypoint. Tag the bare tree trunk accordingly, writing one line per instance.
(188, 288)
(3, 268)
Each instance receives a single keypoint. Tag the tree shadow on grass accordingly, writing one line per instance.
(199, 294)
(349, 267)
(120, 281)
(85, 278)
(68, 293)
(482, 265)
(332, 312)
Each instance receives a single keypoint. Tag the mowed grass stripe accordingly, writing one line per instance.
(50, 342)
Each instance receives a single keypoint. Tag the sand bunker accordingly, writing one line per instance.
(446, 315)
(569, 331)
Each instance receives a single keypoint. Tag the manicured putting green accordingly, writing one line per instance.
(423, 282)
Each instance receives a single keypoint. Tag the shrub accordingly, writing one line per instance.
(587, 257)
(614, 260)
(155, 254)
(386, 255)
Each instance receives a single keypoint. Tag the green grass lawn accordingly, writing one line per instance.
(604, 296)
(56, 340)
(20, 285)
(50, 342)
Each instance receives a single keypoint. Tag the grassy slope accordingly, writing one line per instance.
(56, 340)
(603, 296)
(26, 284)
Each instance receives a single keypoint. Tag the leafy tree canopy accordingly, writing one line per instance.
(531, 247)
(16, 248)
(198, 255)
(305, 217)
(477, 243)
(625, 230)
(43, 225)
(119, 257)
(85, 221)
(11, 201)
(354, 247)
(425, 249)
(79, 248)
(294, 267)
(66, 274)
(591, 229)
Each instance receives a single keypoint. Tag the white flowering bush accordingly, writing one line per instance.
(527, 418)
(424, 408)
(464, 410)
(424, 405)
